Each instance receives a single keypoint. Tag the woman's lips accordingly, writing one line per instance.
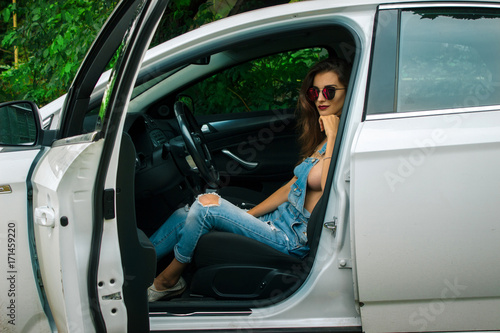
(323, 107)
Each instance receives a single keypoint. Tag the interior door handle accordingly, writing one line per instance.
(246, 164)
(45, 216)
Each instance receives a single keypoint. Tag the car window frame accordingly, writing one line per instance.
(380, 26)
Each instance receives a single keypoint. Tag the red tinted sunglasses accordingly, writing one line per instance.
(328, 92)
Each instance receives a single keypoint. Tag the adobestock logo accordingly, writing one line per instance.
(428, 313)
(416, 158)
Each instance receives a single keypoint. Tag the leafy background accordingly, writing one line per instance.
(52, 38)
(268, 83)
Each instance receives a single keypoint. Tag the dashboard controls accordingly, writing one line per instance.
(157, 137)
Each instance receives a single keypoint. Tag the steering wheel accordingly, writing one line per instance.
(195, 144)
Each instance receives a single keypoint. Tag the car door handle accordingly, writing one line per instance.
(246, 164)
(45, 216)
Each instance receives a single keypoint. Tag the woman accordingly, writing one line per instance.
(281, 220)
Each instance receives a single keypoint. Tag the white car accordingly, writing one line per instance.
(406, 239)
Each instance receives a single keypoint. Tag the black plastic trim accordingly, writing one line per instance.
(32, 243)
(385, 78)
(109, 204)
(349, 329)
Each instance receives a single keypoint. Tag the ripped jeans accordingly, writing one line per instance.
(283, 229)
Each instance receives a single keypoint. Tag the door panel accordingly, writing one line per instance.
(22, 309)
(63, 185)
(266, 144)
(425, 193)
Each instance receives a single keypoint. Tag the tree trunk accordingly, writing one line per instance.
(16, 52)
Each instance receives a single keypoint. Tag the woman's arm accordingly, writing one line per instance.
(273, 201)
(329, 124)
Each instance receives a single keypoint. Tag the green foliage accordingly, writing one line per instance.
(182, 16)
(263, 84)
(53, 38)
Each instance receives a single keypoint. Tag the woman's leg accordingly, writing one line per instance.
(165, 238)
(170, 275)
(169, 283)
(212, 212)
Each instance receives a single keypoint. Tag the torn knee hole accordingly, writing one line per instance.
(210, 199)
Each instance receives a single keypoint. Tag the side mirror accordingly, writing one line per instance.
(19, 123)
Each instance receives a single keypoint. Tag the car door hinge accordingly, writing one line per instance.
(109, 204)
(331, 225)
(347, 176)
(345, 263)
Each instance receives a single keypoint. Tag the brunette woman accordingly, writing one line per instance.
(280, 221)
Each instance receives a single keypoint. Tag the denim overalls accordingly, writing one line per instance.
(284, 229)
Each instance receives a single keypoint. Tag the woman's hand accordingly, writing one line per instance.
(330, 125)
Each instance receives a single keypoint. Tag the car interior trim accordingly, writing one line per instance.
(431, 112)
(85, 138)
(438, 5)
(201, 313)
(246, 164)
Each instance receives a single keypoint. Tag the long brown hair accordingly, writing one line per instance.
(307, 116)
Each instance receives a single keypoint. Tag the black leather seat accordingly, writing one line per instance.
(231, 266)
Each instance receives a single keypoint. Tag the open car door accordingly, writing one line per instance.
(79, 200)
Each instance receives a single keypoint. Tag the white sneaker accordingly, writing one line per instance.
(155, 295)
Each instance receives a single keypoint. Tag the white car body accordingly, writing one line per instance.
(414, 195)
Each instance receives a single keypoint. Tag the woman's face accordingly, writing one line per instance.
(323, 105)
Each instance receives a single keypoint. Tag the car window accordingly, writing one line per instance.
(446, 58)
(266, 83)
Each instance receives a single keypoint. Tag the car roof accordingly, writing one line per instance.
(289, 11)
(268, 15)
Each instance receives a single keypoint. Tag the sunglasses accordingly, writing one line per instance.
(328, 92)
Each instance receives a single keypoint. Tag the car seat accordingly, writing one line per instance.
(231, 266)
